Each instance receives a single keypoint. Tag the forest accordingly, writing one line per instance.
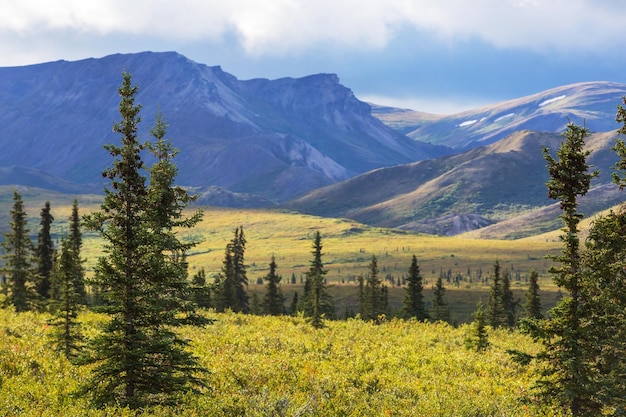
(135, 332)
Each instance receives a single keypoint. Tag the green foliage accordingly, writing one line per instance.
(478, 339)
(496, 312)
(67, 336)
(200, 290)
(440, 310)
(137, 359)
(413, 305)
(533, 301)
(373, 303)
(318, 304)
(19, 288)
(230, 286)
(75, 238)
(273, 366)
(45, 253)
(273, 301)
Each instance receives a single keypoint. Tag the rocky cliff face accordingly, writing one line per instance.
(276, 139)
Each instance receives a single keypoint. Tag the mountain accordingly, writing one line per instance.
(457, 193)
(593, 104)
(272, 138)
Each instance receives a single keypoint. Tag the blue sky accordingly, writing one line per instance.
(438, 56)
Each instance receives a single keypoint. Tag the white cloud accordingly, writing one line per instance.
(274, 27)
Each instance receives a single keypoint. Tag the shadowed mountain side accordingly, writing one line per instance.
(21, 176)
(591, 103)
(485, 184)
(273, 138)
(219, 197)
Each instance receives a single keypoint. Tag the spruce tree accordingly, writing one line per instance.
(138, 359)
(201, 292)
(440, 310)
(413, 305)
(45, 253)
(18, 257)
(478, 339)
(372, 294)
(319, 304)
(273, 302)
(567, 376)
(293, 308)
(66, 336)
(532, 307)
(509, 302)
(496, 312)
(75, 238)
(232, 282)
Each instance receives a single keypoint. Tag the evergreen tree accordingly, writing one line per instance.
(509, 302)
(293, 308)
(138, 359)
(496, 312)
(413, 303)
(232, 283)
(479, 339)
(18, 257)
(200, 290)
(372, 294)
(66, 336)
(76, 242)
(440, 310)
(318, 303)
(273, 301)
(533, 301)
(45, 253)
(567, 376)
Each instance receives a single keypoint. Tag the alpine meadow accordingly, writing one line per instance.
(142, 299)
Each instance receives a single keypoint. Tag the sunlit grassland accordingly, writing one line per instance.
(264, 366)
(348, 250)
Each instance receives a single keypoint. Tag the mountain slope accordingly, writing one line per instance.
(275, 138)
(485, 184)
(591, 103)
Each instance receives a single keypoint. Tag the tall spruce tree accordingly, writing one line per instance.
(496, 311)
(413, 305)
(509, 301)
(319, 304)
(138, 359)
(273, 302)
(478, 340)
(18, 257)
(567, 376)
(440, 310)
(532, 307)
(66, 336)
(232, 282)
(372, 308)
(201, 292)
(45, 253)
(75, 238)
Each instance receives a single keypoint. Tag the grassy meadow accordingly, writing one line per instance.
(348, 249)
(281, 366)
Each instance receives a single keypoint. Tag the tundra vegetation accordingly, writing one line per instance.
(150, 307)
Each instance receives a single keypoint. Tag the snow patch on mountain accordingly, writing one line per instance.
(552, 100)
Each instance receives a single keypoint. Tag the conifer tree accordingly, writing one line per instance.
(413, 305)
(567, 376)
(76, 242)
(138, 359)
(45, 253)
(440, 310)
(496, 312)
(18, 257)
(533, 301)
(318, 303)
(479, 338)
(293, 308)
(232, 283)
(200, 290)
(273, 301)
(509, 301)
(372, 294)
(66, 336)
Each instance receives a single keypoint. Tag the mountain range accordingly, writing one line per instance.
(308, 144)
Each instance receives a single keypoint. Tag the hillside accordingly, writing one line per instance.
(272, 138)
(457, 193)
(591, 103)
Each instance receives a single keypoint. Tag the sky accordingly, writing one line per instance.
(436, 56)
